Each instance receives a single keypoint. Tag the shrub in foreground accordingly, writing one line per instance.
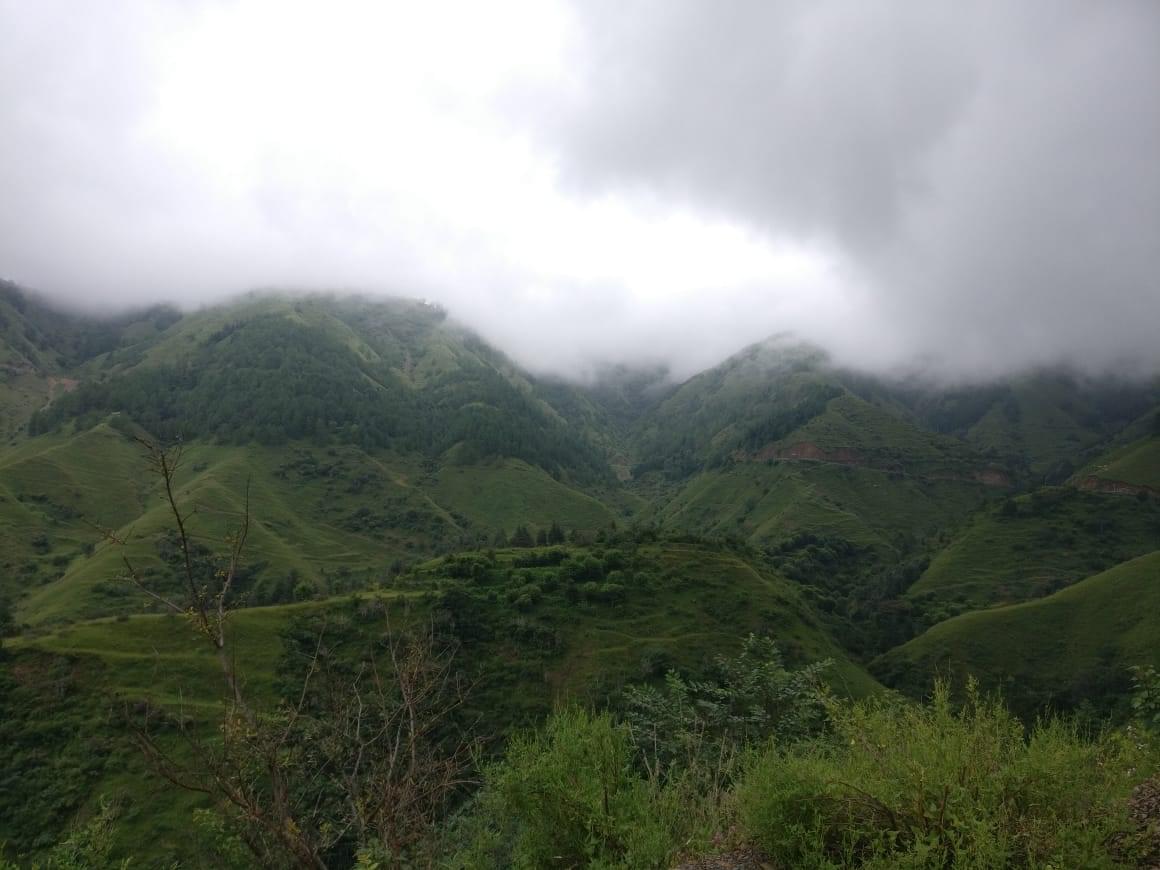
(929, 786)
(569, 796)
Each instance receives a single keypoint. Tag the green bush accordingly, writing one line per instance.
(744, 699)
(1146, 696)
(569, 796)
(926, 786)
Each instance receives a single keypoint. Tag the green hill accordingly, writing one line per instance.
(390, 375)
(325, 520)
(388, 457)
(1041, 426)
(768, 502)
(534, 626)
(367, 433)
(1134, 467)
(778, 400)
(1034, 545)
(604, 606)
(1070, 648)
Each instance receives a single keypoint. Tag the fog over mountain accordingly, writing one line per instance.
(973, 186)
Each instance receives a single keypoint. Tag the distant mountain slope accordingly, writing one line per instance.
(367, 433)
(1041, 425)
(38, 336)
(378, 375)
(1070, 647)
(375, 431)
(1132, 468)
(41, 348)
(1034, 545)
(767, 502)
(781, 400)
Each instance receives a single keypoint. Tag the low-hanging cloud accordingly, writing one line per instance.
(971, 185)
(989, 170)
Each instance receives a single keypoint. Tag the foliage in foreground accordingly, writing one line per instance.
(892, 784)
(570, 796)
(699, 725)
(88, 846)
(588, 791)
(929, 786)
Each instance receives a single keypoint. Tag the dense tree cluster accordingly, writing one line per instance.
(781, 420)
(271, 379)
(721, 421)
(46, 335)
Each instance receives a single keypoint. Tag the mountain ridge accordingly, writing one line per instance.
(377, 431)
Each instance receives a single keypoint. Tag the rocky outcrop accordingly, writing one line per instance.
(993, 477)
(1091, 483)
(809, 450)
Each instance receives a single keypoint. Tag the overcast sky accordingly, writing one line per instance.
(974, 185)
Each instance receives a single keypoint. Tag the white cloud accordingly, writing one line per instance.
(600, 181)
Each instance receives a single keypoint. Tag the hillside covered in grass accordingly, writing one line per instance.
(1073, 647)
(1032, 545)
(573, 543)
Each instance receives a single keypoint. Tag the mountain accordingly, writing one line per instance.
(388, 457)
(1041, 425)
(365, 432)
(377, 375)
(41, 348)
(1132, 468)
(369, 433)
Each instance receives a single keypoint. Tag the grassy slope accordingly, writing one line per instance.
(506, 493)
(21, 393)
(321, 513)
(1055, 537)
(1043, 423)
(766, 502)
(703, 600)
(1076, 644)
(1137, 463)
(57, 487)
(1047, 423)
(160, 658)
(295, 522)
(884, 440)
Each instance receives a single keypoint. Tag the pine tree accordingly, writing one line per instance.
(521, 537)
(555, 534)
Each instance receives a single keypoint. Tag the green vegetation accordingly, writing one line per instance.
(570, 796)
(908, 786)
(532, 626)
(1033, 545)
(699, 578)
(309, 374)
(1041, 425)
(1136, 464)
(1069, 650)
(888, 784)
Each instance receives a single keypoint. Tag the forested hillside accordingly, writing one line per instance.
(580, 542)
